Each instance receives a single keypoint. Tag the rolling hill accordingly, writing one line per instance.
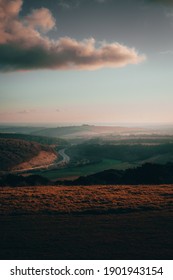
(14, 152)
(87, 131)
(148, 173)
(45, 140)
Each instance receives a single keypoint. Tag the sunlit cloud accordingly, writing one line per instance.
(24, 47)
(40, 18)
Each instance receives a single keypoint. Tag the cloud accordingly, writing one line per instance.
(24, 47)
(101, 1)
(41, 18)
(167, 52)
(25, 112)
(67, 4)
(163, 2)
(64, 5)
(10, 8)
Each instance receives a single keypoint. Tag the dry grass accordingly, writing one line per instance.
(42, 160)
(85, 199)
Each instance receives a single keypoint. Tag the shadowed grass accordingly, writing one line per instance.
(85, 199)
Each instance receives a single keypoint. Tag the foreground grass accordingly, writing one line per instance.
(48, 222)
(85, 199)
(131, 236)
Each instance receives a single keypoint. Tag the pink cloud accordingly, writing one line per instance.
(41, 18)
(23, 46)
(10, 8)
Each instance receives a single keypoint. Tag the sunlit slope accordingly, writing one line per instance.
(15, 152)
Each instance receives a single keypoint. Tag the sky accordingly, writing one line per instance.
(78, 61)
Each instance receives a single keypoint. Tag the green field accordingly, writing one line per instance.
(67, 172)
(104, 157)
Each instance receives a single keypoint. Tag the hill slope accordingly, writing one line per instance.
(39, 139)
(148, 173)
(15, 151)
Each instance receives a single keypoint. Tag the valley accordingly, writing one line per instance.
(85, 149)
(86, 195)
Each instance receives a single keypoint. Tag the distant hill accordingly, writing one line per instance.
(85, 131)
(35, 138)
(19, 129)
(148, 173)
(17, 151)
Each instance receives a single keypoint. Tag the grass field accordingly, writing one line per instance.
(92, 222)
(88, 169)
(85, 199)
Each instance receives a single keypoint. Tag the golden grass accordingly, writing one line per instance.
(80, 199)
(42, 160)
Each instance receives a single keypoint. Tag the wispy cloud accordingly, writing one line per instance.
(163, 2)
(167, 52)
(169, 14)
(101, 1)
(68, 4)
(24, 112)
(24, 47)
(64, 4)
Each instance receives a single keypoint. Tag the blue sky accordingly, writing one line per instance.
(140, 90)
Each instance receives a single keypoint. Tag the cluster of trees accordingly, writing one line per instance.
(12, 180)
(124, 153)
(148, 173)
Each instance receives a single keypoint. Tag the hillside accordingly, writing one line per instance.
(87, 131)
(148, 173)
(154, 153)
(14, 152)
(19, 129)
(39, 139)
